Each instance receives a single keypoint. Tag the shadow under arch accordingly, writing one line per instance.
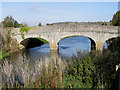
(93, 44)
(33, 42)
(113, 44)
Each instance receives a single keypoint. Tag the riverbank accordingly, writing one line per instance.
(9, 45)
(3, 55)
(93, 70)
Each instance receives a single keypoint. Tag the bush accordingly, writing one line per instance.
(97, 70)
(82, 68)
(87, 70)
(10, 45)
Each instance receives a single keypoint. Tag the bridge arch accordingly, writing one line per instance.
(41, 39)
(93, 44)
(113, 43)
(110, 38)
(33, 42)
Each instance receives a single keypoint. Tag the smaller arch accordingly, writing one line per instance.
(113, 44)
(110, 38)
(33, 42)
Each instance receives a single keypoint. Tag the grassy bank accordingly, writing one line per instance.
(3, 55)
(70, 36)
(43, 40)
(10, 44)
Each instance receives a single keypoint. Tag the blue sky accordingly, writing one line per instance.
(49, 12)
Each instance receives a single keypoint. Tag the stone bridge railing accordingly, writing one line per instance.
(74, 28)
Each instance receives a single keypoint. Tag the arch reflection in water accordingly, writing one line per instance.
(67, 47)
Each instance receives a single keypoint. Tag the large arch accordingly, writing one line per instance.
(33, 42)
(93, 44)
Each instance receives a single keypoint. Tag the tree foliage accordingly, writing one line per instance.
(116, 19)
(114, 44)
(39, 24)
(10, 22)
(24, 30)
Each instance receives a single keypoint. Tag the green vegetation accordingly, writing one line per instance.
(114, 44)
(43, 40)
(49, 24)
(71, 36)
(39, 24)
(104, 24)
(97, 70)
(87, 70)
(25, 30)
(116, 19)
(10, 22)
(3, 55)
(9, 44)
(71, 81)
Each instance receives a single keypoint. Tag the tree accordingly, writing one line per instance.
(16, 25)
(10, 22)
(116, 19)
(39, 24)
(114, 43)
(23, 24)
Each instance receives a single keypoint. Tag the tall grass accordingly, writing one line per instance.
(10, 45)
(91, 70)
(44, 74)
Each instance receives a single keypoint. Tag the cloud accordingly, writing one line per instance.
(35, 7)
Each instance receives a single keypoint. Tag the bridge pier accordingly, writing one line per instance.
(54, 54)
(99, 45)
(54, 46)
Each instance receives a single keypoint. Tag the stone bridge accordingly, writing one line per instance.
(54, 33)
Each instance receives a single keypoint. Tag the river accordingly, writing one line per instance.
(67, 47)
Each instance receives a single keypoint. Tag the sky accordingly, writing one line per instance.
(51, 12)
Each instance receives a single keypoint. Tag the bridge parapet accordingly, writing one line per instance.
(72, 28)
(76, 28)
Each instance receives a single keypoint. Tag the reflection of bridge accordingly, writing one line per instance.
(54, 33)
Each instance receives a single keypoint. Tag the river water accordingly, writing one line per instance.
(67, 47)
